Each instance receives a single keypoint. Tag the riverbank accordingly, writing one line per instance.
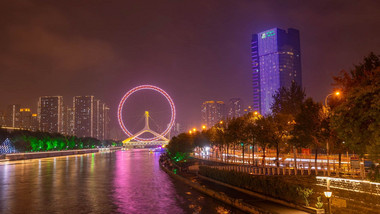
(34, 155)
(231, 196)
(348, 195)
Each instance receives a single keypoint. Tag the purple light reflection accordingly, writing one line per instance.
(139, 186)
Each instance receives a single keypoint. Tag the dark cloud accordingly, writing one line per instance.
(196, 50)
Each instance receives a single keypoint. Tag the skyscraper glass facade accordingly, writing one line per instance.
(276, 62)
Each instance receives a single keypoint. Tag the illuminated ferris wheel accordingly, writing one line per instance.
(157, 137)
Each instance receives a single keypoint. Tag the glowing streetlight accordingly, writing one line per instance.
(337, 93)
(328, 195)
(221, 122)
(190, 131)
(203, 127)
(256, 113)
(194, 129)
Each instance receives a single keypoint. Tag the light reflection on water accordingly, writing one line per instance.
(117, 182)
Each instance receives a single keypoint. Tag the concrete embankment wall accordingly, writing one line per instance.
(218, 195)
(33, 155)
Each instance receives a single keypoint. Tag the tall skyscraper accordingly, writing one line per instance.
(91, 117)
(103, 122)
(68, 121)
(276, 62)
(212, 112)
(84, 116)
(50, 114)
(235, 108)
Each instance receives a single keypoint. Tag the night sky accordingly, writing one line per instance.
(195, 50)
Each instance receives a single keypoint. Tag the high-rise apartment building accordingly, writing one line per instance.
(103, 131)
(212, 112)
(276, 63)
(19, 118)
(2, 119)
(68, 121)
(85, 116)
(12, 116)
(50, 114)
(235, 108)
(91, 117)
(27, 120)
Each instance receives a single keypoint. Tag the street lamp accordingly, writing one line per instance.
(326, 111)
(221, 122)
(190, 131)
(203, 127)
(328, 195)
(337, 93)
(194, 129)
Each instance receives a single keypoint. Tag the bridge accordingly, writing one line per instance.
(135, 140)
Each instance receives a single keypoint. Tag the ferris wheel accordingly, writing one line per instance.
(137, 136)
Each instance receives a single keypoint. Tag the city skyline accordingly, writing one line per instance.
(45, 61)
(191, 106)
(83, 116)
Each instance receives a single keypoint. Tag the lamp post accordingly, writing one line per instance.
(220, 128)
(253, 119)
(337, 93)
(328, 195)
(326, 111)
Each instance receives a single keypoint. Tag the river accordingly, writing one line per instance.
(113, 182)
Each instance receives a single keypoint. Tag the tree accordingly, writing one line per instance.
(265, 133)
(309, 126)
(216, 136)
(236, 133)
(288, 101)
(357, 119)
(252, 131)
(180, 146)
(281, 127)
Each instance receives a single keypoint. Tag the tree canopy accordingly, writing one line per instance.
(357, 118)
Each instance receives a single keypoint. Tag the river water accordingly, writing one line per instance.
(114, 182)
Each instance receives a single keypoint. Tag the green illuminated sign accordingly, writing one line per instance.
(268, 34)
